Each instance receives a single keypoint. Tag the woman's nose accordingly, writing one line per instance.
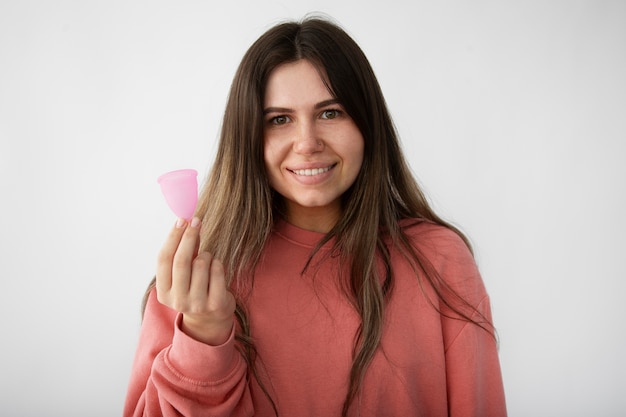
(307, 140)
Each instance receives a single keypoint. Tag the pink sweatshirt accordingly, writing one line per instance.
(427, 365)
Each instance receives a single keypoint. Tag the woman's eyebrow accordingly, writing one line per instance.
(288, 110)
(277, 110)
(327, 103)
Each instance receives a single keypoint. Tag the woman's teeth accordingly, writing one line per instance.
(310, 172)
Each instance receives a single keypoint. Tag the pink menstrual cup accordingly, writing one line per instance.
(180, 189)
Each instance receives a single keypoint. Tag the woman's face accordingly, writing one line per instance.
(313, 150)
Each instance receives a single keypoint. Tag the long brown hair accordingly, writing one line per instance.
(238, 207)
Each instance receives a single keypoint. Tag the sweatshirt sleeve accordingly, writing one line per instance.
(175, 375)
(473, 375)
(474, 379)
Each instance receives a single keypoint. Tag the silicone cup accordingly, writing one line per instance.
(180, 189)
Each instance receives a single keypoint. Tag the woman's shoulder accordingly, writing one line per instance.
(447, 253)
(433, 237)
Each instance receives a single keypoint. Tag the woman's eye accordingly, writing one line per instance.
(330, 114)
(279, 120)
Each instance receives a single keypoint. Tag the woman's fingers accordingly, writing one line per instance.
(165, 258)
(221, 299)
(200, 278)
(208, 291)
(211, 318)
(183, 258)
(196, 280)
(195, 284)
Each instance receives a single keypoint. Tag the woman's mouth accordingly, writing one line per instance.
(312, 171)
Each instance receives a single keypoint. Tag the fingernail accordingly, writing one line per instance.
(195, 222)
(180, 223)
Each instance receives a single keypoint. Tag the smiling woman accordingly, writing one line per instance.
(313, 151)
(315, 279)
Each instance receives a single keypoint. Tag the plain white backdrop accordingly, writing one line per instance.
(512, 114)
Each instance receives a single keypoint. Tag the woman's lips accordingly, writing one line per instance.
(308, 172)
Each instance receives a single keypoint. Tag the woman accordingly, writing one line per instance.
(315, 279)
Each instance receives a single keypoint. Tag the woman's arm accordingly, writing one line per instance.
(473, 375)
(474, 379)
(176, 375)
(186, 362)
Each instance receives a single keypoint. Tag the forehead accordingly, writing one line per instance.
(298, 81)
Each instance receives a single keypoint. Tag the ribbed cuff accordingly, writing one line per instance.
(201, 362)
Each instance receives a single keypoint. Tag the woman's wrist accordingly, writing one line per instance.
(212, 333)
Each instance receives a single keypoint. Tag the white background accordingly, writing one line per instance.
(512, 114)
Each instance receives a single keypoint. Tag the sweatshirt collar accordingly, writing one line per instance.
(298, 235)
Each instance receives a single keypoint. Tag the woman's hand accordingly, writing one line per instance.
(195, 284)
